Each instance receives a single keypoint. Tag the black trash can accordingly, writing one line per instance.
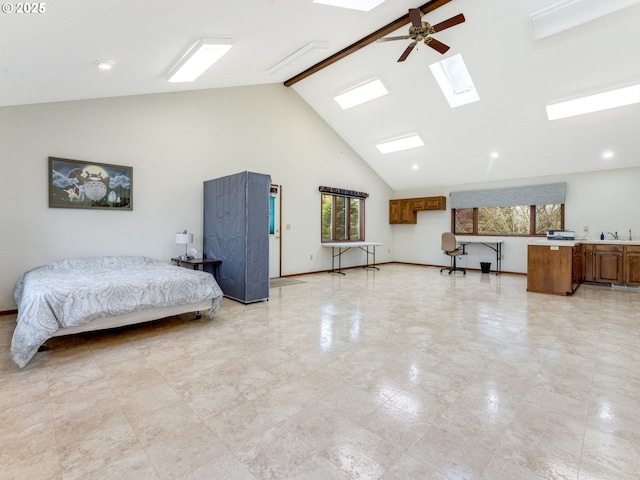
(485, 267)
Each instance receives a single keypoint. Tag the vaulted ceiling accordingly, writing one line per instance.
(50, 57)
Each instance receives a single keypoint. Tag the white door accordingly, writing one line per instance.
(274, 231)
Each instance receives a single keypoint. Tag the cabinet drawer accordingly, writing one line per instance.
(632, 248)
(610, 248)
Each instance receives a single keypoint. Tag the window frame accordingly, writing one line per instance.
(532, 223)
(347, 220)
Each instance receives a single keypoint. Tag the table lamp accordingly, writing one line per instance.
(184, 238)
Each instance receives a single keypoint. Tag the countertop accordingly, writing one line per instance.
(572, 243)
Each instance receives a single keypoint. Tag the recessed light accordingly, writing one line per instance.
(415, 167)
(104, 64)
(362, 93)
(494, 155)
(594, 103)
(608, 155)
(401, 143)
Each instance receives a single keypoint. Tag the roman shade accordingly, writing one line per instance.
(550, 193)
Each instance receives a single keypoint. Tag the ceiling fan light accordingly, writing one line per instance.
(360, 94)
(202, 54)
(399, 144)
(594, 103)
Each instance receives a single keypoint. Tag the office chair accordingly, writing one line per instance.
(450, 248)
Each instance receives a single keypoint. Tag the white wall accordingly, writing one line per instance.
(174, 142)
(603, 201)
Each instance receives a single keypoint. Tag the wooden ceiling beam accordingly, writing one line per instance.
(381, 32)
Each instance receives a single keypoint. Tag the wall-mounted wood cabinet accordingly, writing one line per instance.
(404, 210)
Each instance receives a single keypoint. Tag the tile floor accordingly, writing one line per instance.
(399, 374)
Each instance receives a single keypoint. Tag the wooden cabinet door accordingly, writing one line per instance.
(632, 265)
(609, 261)
(588, 263)
(407, 214)
(435, 203)
(577, 267)
(394, 211)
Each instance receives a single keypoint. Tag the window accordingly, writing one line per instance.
(342, 218)
(527, 210)
(513, 220)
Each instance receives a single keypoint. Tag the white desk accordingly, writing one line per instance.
(369, 247)
(495, 245)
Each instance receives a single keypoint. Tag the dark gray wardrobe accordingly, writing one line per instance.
(236, 231)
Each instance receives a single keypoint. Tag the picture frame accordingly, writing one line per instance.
(82, 184)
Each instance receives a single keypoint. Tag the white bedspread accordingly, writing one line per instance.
(75, 291)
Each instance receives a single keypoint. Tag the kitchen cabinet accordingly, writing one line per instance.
(553, 269)
(588, 263)
(404, 210)
(400, 212)
(603, 263)
(632, 265)
(576, 272)
(609, 264)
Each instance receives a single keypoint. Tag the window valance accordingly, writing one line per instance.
(551, 193)
(343, 191)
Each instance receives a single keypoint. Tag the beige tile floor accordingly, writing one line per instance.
(399, 374)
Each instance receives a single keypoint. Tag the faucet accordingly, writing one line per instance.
(629, 234)
(614, 235)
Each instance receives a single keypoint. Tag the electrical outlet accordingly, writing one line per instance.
(585, 229)
(311, 257)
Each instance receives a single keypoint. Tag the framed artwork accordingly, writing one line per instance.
(79, 184)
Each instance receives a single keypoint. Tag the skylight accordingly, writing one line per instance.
(398, 144)
(362, 5)
(361, 93)
(454, 81)
(594, 103)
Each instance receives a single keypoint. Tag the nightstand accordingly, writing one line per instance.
(198, 264)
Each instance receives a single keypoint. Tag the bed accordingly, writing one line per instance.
(91, 293)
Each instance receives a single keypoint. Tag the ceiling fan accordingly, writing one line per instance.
(420, 31)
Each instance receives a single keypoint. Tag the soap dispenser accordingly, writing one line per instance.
(602, 236)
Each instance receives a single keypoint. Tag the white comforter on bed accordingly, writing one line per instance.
(75, 291)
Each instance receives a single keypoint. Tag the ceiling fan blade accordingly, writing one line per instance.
(436, 45)
(390, 39)
(416, 17)
(453, 21)
(407, 51)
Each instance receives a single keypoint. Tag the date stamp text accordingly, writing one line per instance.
(24, 8)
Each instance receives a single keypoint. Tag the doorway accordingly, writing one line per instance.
(275, 242)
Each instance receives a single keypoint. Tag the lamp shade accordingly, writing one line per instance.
(184, 238)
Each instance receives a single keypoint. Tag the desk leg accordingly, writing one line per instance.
(370, 266)
(499, 258)
(333, 260)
